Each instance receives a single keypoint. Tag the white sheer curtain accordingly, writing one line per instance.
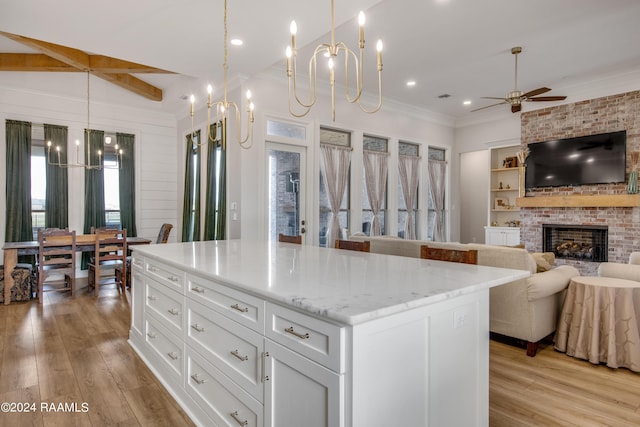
(375, 174)
(409, 174)
(334, 166)
(437, 174)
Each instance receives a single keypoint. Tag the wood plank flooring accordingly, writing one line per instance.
(75, 350)
(553, 389)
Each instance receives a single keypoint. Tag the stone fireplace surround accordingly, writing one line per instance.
(607, 114)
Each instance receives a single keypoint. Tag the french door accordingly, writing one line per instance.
(286, 189)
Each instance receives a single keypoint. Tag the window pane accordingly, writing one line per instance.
(111, 174)
(372, 143)
(343, 139)
(407, 149)
(287, 130)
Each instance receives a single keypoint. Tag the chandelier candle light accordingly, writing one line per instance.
(88, 164)
(331, 51)
(222, 107)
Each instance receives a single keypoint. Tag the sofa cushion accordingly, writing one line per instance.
(544, 260)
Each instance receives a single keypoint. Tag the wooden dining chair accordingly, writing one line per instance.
(110, 253)
(353, 245)
(289, 239)
(451, 255)
(56, 256)
(163, 235)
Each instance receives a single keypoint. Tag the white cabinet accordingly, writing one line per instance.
(300, 392)
(231, 358)
(504, 236)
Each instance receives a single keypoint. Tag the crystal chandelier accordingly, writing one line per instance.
(87, 165)
(224, 106)
(331, 51)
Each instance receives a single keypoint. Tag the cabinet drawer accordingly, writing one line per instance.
(231, 347)
(318, 340)
(137, 263)
(224, 401)
(244, 309)
(169, 276)
(169, 348)
(166, 304)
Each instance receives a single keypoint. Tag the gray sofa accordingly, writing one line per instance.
(525, 309)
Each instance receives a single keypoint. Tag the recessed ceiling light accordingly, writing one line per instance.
(411, 83)
(467, 102)
(236, 42)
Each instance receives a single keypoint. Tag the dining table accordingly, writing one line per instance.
(84, 243)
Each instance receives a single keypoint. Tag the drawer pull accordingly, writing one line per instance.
(198, 290)
(242, 309)
(151, 298)
(173, 355)
(234, 415)
(153, 269)
(151, 336)
(174, 278)
(265, 377)
(197, 379)
(236, 354)
(197, 327)
(297, 334)
(173, 311)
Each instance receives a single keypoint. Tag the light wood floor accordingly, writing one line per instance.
(553, 389)
(75, 350)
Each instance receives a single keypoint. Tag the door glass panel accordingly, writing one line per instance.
(284, 193)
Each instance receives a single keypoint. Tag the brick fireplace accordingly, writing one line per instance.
(601, 115)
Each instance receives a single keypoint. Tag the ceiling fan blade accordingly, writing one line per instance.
(536, 92)
(488, 106)
(516, 108)
(548, 98)
(491, 97)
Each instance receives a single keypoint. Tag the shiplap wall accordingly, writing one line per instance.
(155, 145)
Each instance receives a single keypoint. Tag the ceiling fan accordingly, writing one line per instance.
(516, 97)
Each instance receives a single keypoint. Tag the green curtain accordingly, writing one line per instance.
(221, 209)
(191, 202)
(214, 220)
(94, 211)
(18, 182)
(126, 178)
(57, 190)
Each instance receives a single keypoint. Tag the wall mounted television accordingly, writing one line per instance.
(593, 159)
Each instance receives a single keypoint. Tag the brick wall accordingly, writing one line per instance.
(607, 114)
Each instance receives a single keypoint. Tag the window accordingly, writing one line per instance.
(111, 189)
(38, 185)
(340, 139)
(379, 145)
(435, 154)
(410, 154)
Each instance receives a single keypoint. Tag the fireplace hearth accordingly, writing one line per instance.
(578, 242)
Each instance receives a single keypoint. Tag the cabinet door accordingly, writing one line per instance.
(512, 237)
(299, 392)
(137, 298)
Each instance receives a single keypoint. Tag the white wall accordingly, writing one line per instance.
(155, 145)
(474, 188)
(247, 168)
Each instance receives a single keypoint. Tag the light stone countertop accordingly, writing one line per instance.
(343, 286)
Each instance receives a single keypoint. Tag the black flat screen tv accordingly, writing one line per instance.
(593, 159)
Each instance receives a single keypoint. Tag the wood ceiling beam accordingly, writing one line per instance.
(32, 62)
(110, 69)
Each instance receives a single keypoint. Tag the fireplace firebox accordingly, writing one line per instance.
(578, 242)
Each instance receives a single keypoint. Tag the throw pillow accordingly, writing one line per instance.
(544, 261)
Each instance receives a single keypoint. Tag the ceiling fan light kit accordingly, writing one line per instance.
(516, 97)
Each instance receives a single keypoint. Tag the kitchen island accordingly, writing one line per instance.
(257, 333)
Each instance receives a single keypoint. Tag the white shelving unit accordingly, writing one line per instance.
(505, 188)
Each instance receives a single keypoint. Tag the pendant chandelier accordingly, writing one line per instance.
(87, 165)
(224, 106)
(331, 51)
